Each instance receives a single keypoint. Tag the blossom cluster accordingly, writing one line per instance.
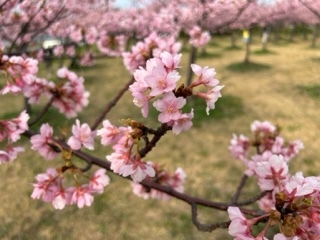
(291, 201)
(175, 181)
(124, 160)
(151, 46)
(159, 81)
(111, 45)
(266, 142)
(10, 132)
(70, 96)
(198, 38)
(49, 187)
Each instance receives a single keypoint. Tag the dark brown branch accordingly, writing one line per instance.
(157, 136)
(235, 18)
(146, 183)
(252, 200)
(111, 104)
(310, 8)
(24, 27)
(192, 201)
(239, 188)
(41, 114)
(206, 227)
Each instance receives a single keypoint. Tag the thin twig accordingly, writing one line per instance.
(205, 227)
(41, 114)
(192, 201)
(111, 104)
(253, 199)
(239, 188)
(157, 136)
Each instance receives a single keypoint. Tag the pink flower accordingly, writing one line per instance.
(184, 123)
(81, 196)
(99, 180)
(23, 66)
(109, 133)
(82, 136)
(175, 181)
(70, 51)
(159, 80)
(239, 225)
(36, 89)
(9, 154)
(40, 142)
(138, 170)
(265, 127)
(12, 129)
(198, 38)
(61, 199)
(87, 59)
(205, 76)
(118, 159)
(47, 185)
(239, 146)
(272, 173)
(58, 50)
(71, 97)
(210, 97)
(169, 106)
(170, 61)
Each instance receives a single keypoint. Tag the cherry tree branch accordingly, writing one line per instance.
(206, 227)
(157, 136)
(92, 160)
(42, 113)
(239, 188)
(111, 104)
(310, 8)
(25, 27)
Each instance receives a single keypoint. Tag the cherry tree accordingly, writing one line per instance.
(288, 201)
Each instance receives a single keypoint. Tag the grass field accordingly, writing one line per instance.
(281, 85)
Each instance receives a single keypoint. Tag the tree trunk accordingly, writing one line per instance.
(247, 42)
(247, 54)
(233, 39)
(315, 35)
(192, 59)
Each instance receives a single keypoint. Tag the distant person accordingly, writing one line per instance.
(245, 36)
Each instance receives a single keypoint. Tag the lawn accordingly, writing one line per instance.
(280, 85)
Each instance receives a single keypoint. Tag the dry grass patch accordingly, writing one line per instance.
(272, 93)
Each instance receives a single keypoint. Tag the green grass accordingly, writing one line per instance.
(227, 107)
(242, 67)
(209, 55)
(251, 92)
(233, 48)
(263, 52)
(312, 91)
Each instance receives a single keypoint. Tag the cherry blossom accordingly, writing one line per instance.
(41, 142)
(272, 173)
(184, 123)
(46, 186)
(137, 169)
(205, 76)
(211, 97)
(160, 81)
(82, 136)
(99, 180)
(71, 97)
(169, 107)
(111, 134)
(81, 196)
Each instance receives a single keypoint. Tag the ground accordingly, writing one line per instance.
(280, 85)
